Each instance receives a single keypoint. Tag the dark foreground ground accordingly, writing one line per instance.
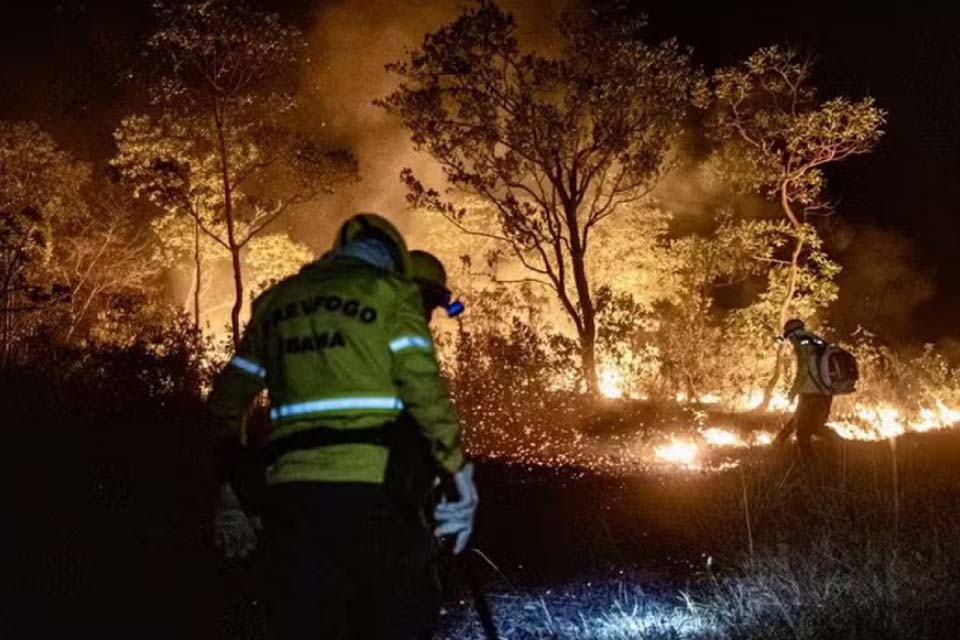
(117, 569)
(863, 550)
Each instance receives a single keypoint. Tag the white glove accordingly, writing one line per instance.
(456, 518)
(233, 532)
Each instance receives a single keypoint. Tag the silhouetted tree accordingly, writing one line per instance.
(40, 188)
(777, 139)
(554, 145)
(221, 149)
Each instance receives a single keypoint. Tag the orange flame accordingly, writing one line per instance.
(678, 452)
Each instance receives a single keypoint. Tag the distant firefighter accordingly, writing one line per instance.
(823, 371)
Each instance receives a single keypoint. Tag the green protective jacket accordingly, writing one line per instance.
(342, 345)
(807, 379)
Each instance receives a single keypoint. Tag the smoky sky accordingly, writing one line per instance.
(59, 64)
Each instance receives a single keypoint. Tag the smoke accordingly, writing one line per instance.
(693, 195)
(349, 45)
(883, 283)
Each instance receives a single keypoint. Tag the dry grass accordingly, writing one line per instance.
(866, 546)
(837, 553)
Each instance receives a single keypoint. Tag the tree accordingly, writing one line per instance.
(218, 151)
(723, 286)
(748, 330)
(104, 258)
(274, 257)
(180, 242)
(556, 146)
(697, 268)
(266, 259)
(777, 139)
(40, 188)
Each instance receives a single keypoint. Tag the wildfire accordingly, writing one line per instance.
(727, 438)
(706, 398)
(754, 401)
(678, 452)
(885, 422)
(863, 423)
(717, 437)
(688, 453)
(709, 441)
(763, 439)
(611, 383)
(943, 417)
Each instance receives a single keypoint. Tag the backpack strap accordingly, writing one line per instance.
(812, 365)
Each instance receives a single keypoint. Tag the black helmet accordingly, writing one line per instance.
(792, 326)
(428, 272)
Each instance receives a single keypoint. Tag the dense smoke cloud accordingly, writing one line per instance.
(882, 283)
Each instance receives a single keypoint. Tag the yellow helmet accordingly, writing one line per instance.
(371, 226)
(428, 273)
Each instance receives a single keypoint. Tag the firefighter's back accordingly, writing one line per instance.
(326, 337)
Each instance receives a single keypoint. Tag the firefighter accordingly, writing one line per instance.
(814, 404)
(343, 349)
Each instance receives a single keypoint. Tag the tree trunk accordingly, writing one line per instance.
(788, 297)
(693, 396)
(588, 332)
(188, 297)
(197, 275)
(231, 233)
(588, 359)
(5, 329)
(6, 315)
(78, 316)
(238, 294)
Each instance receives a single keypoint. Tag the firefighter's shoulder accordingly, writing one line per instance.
(401, 284)
(388, 284)
(274, 293)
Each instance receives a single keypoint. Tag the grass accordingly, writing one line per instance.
(867, 548)
(832, 591)
(605, 610)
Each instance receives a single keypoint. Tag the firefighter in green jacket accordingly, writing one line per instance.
(814, 404)
(343, 349)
